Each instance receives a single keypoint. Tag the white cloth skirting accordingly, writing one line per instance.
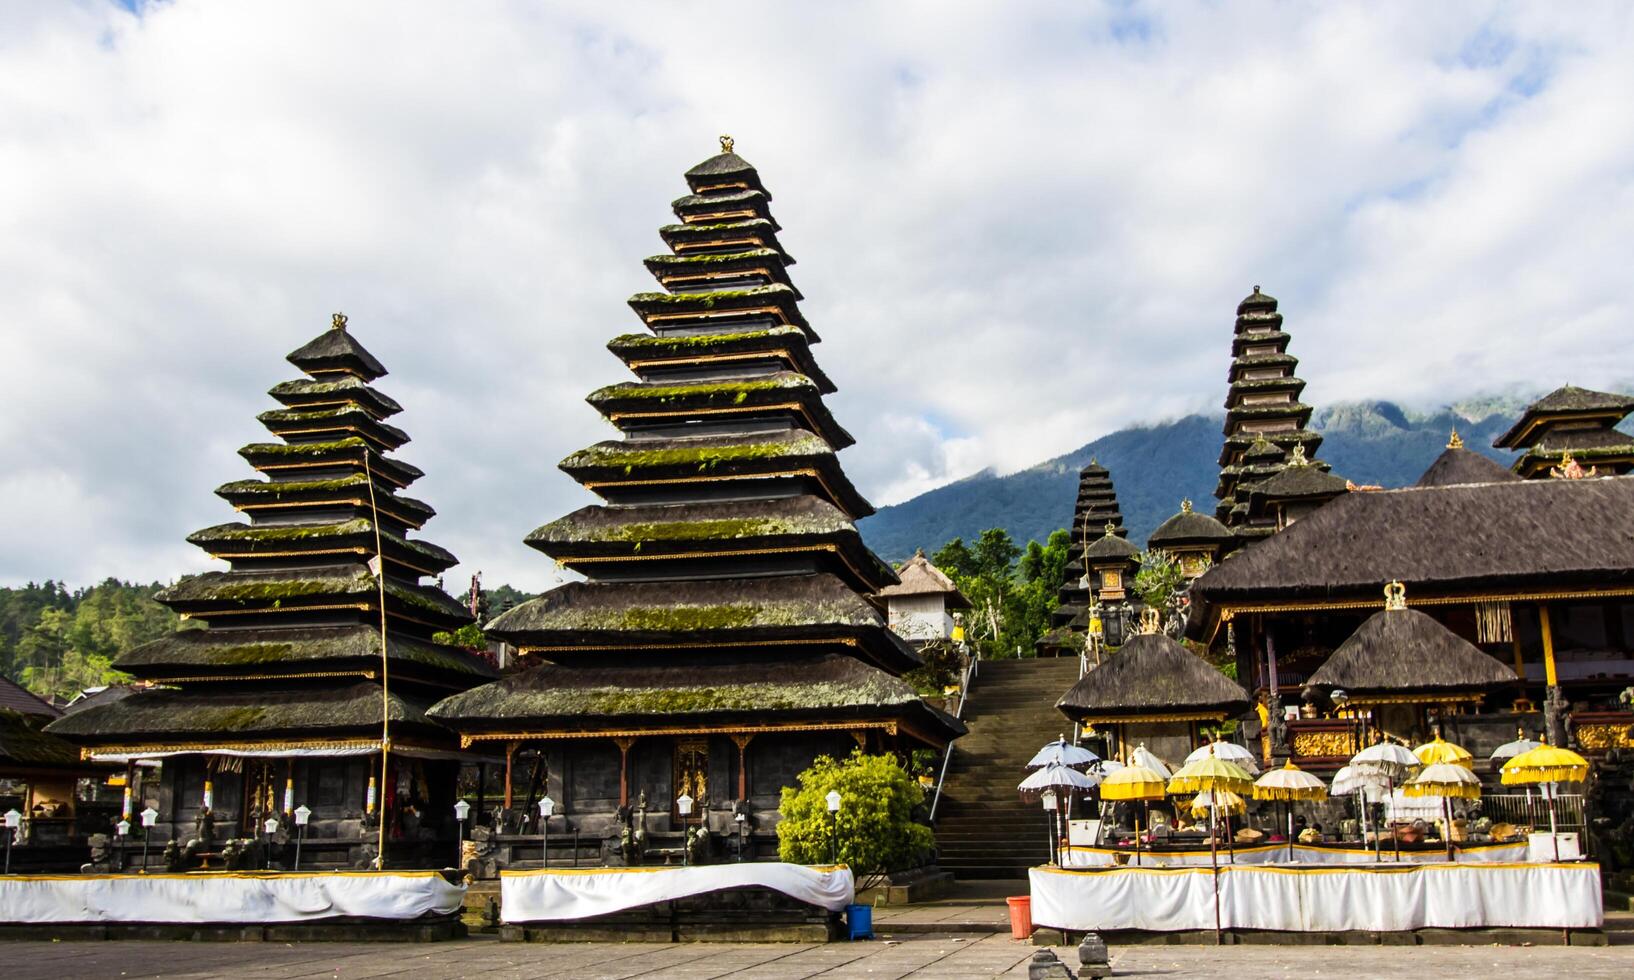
(546, 896)
(1083, 856)
(1379, 898)
(226, 897)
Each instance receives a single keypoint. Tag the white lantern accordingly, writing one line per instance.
(683, 805)
(14, 820)
(271, 826)
(547, 807)
(121, 828)
(302, 815)
(150, 816)
(462, 810)
(1048, 799)
(833, 800)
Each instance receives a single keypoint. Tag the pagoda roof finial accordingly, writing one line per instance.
(337, 321)
(1456, 441)
(1395, 596)
(1256, 290)
(1111, 529)
(726, 143)
(1298, 458)
(1185, 505)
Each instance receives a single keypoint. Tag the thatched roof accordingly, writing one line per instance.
(1457, 465)
(702, 614)
(15, 697)
(336, 350)
(1566, 400)
(919, 577)
(1111, 546)
(1398, 650)
(24, 744)
(1189, 527)
(202, 713)
(1299, 482)
(1524, 534)
(306, 391)
(264, 650)
(827, 688)
(1153, 676)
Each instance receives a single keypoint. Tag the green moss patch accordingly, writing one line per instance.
(702, 458)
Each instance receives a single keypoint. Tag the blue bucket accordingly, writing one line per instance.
(859, 921)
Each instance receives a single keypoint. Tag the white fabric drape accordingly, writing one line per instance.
(546, 896)
(1079, 856)
(226, 897)
(1380, 898)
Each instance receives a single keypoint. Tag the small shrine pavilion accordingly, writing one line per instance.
(921, 605)
(726, 633)
(1155, 692)
(1195, 541)
(1262, 404)
(284, 698)
(1572, 424)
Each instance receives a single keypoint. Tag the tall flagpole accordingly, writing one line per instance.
(385, 692)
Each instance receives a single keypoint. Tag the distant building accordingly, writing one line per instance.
(920, 607)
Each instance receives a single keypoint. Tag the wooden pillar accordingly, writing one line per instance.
(1548, 646)
(861, 735)
(742, 742)
(510, 758)
(624, 744)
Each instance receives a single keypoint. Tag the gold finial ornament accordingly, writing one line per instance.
(1185, 506)
(1111, 529)
(726, 143)
(1298, 458)
(1395, 596)
(337, 321)
(1456, 441)
(1148, 621)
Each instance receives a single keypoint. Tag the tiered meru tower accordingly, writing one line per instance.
(1095, 510)
(286, 682)
(723, 637)
(1265, 420)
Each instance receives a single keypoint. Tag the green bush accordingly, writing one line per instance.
(875, 828)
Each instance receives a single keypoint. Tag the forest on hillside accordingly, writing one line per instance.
(58, 641)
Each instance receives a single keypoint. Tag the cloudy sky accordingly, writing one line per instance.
(1019, 226)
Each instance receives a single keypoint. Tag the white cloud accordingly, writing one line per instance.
(1018, 226)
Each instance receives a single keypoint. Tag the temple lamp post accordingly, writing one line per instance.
(271, 827)
(742, 820)
(150, 816)
(833, 801)
(302, 815)
(462, 810)
(14, 823)
(547, 806)
(120, 830)
(683, 806)
(1048, 800)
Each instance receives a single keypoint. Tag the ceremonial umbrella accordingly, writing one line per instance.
(1206, 774)
(1509, 750)
(1546, 764)
(1059, 781)
(1366, 786)
(1286, 785)
(1129, 784)
(1230, 752)
(1392, 763)
(1217, 799)
(1142, 756)
(1437, 751)
(1446, 780)
(1065, 753)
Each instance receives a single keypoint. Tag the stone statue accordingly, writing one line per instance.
(697, 844)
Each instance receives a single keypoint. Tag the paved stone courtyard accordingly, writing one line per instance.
(934, 956)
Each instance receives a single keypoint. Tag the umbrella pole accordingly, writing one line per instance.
(1214, 861)
(1554, 835)
(1390, 787)
(1289, 806)
(1146, 813)
(1231, 849)
(1446, 810)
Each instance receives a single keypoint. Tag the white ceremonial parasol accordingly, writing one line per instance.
(1064, 753)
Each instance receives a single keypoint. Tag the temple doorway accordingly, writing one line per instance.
(691, 772)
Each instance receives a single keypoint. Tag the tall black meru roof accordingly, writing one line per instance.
(1457, 465)
(1094, 511)
(726, 583)
(1401, 651)
(291, 644)
(1566, 401)
(1152, 677)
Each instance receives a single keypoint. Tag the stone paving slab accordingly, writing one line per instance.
(929, 956)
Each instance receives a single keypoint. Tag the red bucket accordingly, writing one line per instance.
(1021, 917)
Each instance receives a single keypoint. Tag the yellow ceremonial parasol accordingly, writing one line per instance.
(1446, 780)
(1210, 772)
(1133, 784)
(1288, 784)
(1218, 799)
(1440, 751)
(1550, 765)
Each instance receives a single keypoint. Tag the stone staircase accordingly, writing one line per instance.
(983, 830)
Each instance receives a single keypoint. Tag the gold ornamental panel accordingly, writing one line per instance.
(1602, 736)
(1318, 744)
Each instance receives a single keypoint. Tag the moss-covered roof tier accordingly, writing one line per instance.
(229, 652)
(285, 593)
(336, 353)
(773, 616)
(238, 541)
(824, 689)
(346, 491)
(637, 406)
(724, 270)
(726, 236)
(744, 204)
(295, 459)
(334, 393)
(780, 348)
(321, 424)
(805, 529)
(24, 747)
